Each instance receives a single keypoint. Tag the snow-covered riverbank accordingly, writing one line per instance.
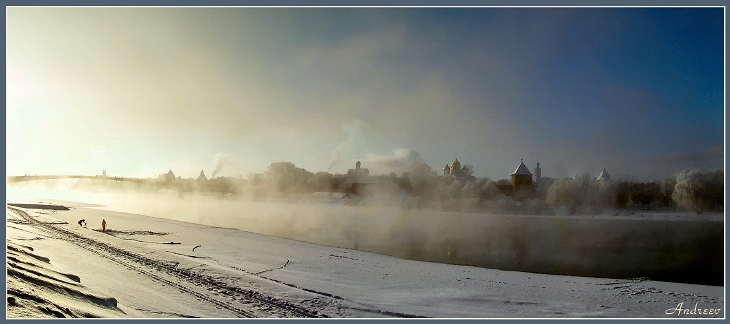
(156, 267)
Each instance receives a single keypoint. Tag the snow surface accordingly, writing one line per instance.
(153, 267)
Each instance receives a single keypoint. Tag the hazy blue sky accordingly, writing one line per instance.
(139, 91)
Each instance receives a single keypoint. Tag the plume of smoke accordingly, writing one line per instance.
(401, 160)
(222, 160)
(355, 137)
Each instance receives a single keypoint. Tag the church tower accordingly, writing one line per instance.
(538, 173)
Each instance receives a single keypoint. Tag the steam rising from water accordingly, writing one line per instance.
(358, 134)
(401, 160)
(355, 139)
(672, 249)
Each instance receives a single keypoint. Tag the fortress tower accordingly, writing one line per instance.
(521, 177)
(202, 177)
(603, 177)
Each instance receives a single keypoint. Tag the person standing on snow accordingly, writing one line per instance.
(103, 225)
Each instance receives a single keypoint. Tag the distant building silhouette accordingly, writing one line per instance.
(457, 170)
(202, 177)
(170, 176)
(521, 178)
(603, 178)
(357, 174)
(357, 179)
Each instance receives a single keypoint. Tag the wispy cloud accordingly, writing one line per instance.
(710, 153)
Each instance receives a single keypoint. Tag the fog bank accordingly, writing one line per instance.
(677, 248)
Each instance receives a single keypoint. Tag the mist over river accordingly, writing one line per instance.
(666, 247)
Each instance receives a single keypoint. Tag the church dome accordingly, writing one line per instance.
(456, 165)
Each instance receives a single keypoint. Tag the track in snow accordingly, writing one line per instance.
(252, 303)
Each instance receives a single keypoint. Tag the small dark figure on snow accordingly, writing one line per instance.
(103, 225)
(82, 223)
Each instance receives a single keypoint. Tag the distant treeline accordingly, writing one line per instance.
(696, 190)
(693, 190)
(52, 177)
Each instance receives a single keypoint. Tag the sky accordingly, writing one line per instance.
(140, 91)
